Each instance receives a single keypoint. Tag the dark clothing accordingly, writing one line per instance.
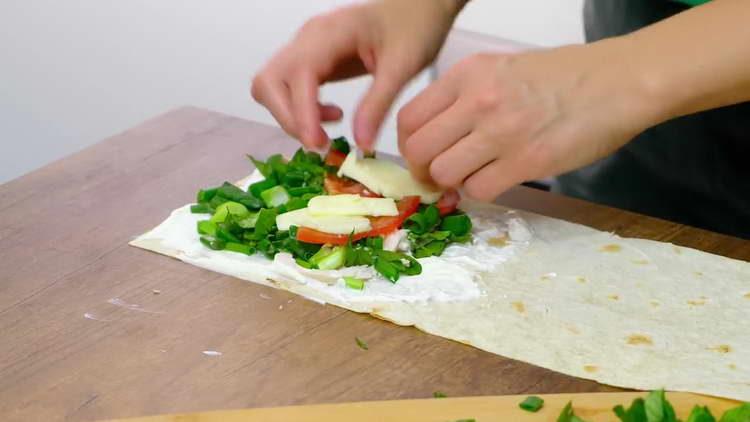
(693, 170)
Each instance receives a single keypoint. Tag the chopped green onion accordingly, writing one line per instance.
(200, 209)
(532, 404)
(361, 343)
(295, 204)
(205, 195)
(234, 208)
(354, 283)
(233, 193)
(333, 260)
(275, 196)
(387, 269)
(207, 227)
(256, 188)
(439, 395)
(225, 235)
(320, 255)
(239, 247)
(249, 221)
(299, 191)
(304, 264)
(214, 244)
(265, 223)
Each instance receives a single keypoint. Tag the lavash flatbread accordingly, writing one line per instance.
(627, 312)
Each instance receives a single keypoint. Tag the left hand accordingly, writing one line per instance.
(493, 120)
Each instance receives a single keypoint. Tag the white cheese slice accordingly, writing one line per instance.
(334, 224)
(386, 178)
(347, 204)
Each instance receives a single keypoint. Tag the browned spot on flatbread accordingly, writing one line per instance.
(581, 279)
(747, 295)
(639, 339)
(590, 368)
(641, 261)
(677, 250)
(655, 303)
(501, 240)
(732, 366)
(699, 274)
(697, 302)
(614, 297)
(611, 248)
(573, 329)
(519, 307)
(722, 348)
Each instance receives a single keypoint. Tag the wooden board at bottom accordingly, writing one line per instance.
(595, 407)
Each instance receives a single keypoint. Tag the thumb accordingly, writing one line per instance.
(388, 80)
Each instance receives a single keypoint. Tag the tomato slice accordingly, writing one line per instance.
(380, 226)
(448, 202)
(335, 185)
(335, 158)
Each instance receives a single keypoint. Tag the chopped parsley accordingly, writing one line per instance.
(532, 404)
(361, 343)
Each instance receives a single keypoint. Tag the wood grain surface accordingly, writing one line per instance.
(91, 328)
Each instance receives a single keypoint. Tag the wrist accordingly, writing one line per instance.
(635, 94)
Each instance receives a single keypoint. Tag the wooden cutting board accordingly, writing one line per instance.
(594, 407)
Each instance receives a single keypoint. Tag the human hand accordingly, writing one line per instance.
(391, 39)
(494, 120)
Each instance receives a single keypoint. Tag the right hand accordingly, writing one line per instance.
(391, 39)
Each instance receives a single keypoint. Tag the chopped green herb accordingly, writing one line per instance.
(465, 420)
(214, 244)
(740, 413)
(635, 413)
(354, 283)
(240, 248)
(532, 404)
(205, 195)
(207, 227)
(275, 196)
(229, 208)
(258, 187)
(334, 260)
(304, 264)
(658, 409)
(458, 225)
(340, 144)
(439, 395)
(361, 343)
(701, 414)
(568, 415)
(249, 221)
(201, 209)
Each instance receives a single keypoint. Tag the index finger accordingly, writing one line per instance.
(306, 110)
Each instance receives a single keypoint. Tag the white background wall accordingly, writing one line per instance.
(76, 71)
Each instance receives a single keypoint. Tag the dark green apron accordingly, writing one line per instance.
(694, 170)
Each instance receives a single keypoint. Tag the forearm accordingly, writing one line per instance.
(694, 61)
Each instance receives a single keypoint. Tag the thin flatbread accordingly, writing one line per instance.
(627, 312)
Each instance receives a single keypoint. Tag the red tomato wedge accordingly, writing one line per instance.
(335, 158)
(335, 185)
(380, 225)
(448, 202)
